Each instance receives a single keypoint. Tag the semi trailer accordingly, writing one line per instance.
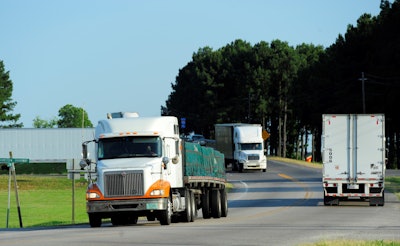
(353, 154)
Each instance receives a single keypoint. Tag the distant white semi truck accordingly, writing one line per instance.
(353, 154)
(242, 145)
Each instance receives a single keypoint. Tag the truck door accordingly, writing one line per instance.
(336, 153)
(370, 146)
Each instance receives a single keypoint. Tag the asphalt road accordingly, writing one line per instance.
(283, 206)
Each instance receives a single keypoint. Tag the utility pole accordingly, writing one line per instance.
(363, 90)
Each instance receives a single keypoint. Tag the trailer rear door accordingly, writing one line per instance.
(353, 147)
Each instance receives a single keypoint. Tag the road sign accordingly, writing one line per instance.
(265, 135)
(183, 123)
(9, 161)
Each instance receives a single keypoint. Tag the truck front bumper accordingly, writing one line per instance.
(255, 165)
(126, 205)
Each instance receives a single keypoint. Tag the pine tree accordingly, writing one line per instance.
(7, 119)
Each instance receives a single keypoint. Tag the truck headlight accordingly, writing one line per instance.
(92, 195)
(157, 193)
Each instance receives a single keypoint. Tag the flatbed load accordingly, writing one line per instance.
(203, 165)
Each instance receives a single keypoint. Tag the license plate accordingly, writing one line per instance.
(151, 206)
(353, 186)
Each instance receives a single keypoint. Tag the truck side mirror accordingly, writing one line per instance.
(84, 150)
(85, 161)
(165, 161)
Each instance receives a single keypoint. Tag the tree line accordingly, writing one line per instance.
(287, 89)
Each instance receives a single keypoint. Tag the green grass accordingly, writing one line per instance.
(392, 184)
(44, 201)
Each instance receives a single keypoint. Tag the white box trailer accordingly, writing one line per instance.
(353, 155)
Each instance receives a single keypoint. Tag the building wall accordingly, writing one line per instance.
(45, 144)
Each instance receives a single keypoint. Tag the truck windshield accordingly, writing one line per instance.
(250, 146)
(125, 147)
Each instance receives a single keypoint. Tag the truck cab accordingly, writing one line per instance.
(138, 162)
(249, 148)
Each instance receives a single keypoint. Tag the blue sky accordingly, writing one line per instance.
(123, 55)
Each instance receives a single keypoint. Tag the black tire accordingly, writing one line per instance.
(328, 200)
(224, 203)
(205, 204)
(187, 214)
(193, 205)
(377, 201)
(94, 220)
(164, 216)
(216, 204)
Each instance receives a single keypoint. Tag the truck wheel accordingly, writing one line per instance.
(205, 204)
(224, 203)
(164, 216)
(194, 207)
(216, 204)
(187, 214)
(94, 220)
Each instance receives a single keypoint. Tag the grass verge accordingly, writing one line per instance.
(44, 201)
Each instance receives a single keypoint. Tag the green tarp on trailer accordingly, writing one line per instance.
(203, 161)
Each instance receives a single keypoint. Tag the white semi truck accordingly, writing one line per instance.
(144, 169)
(242, 145)
(353, 154)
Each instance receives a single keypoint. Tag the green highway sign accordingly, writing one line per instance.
(9, 161)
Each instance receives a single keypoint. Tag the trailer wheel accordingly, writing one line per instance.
(164, 216)
(224, 203)
(187, 214)
(216, 204)
(94, 220)
(194, 207)
(205, 204)
(377, 201)
(328, 200)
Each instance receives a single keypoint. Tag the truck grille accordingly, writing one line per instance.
(253, 157)
(123, 183)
